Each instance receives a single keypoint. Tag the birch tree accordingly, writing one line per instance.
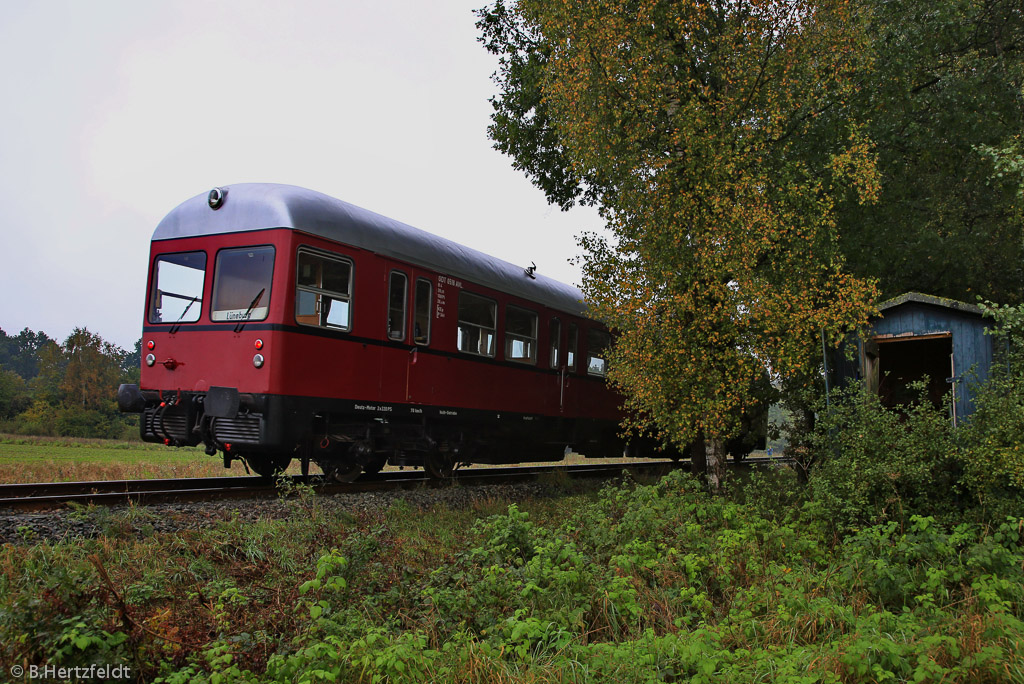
(682, 120)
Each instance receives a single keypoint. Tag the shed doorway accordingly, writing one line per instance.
(901, 361)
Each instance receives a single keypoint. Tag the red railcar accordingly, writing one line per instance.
(281, 323)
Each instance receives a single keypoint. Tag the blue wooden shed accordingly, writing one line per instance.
(917, 335)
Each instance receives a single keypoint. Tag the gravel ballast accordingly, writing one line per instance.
(146, 520)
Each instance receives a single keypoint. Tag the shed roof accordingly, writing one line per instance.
(919, 298)
(262, 206)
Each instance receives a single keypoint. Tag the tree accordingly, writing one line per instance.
(131, 363)
(19, 353)
(523, 127)
(76, 388)
(92, 372)
(944, 91)
(684, 121)
(52, 364)
(68, 389)
(14, 397)
(82, 373)
(941, 102)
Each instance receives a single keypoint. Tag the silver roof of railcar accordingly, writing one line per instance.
(261, 206)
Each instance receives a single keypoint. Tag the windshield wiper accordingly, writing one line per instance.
(177, 323)
(252, 305)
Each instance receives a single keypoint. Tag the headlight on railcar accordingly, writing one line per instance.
(258, 360)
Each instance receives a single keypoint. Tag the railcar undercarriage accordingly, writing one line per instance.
(267, 432)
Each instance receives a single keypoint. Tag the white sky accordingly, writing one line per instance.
(114, 112)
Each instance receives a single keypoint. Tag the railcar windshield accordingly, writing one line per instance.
(177, 295)
(241, 284)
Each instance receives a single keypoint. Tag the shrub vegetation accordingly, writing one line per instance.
(874, 464)
(635, 583)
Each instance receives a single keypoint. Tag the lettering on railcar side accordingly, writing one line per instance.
(371, 407)
(442, 280)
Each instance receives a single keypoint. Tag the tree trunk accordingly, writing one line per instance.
(698, 457)
(802, 456)
(715, 463)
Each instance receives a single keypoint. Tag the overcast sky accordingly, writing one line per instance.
(117, 111)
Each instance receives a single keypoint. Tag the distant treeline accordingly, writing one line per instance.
(65, 388)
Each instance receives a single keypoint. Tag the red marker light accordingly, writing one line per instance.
(259, 344)
(151, 345)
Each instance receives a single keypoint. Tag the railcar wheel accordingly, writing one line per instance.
(268, 466)
(376, 465)
(439, 466)
(346, 472)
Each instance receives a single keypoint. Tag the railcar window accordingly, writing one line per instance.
(396, 305)
(421, 317)
(598, 342)
(241, 284)
(477, 324)
(177, 288)
(570, 347)
(520, 335)
(323, 291)
(555, 337)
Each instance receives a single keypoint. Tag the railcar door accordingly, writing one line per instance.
(558, 397)
(555, 361)
(407, 368)
(395, 348)
(566, 385)
(420, 363)
(570, 385)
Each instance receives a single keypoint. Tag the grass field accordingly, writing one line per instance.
(45, 459)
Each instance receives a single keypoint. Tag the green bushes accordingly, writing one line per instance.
(43, 418)
(993, 440)
(641, 584)
(636, 583)
(875, 464)
(48, 612)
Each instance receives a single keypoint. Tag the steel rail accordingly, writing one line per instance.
(47, 495)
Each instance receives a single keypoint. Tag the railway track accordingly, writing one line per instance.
(41, 496)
